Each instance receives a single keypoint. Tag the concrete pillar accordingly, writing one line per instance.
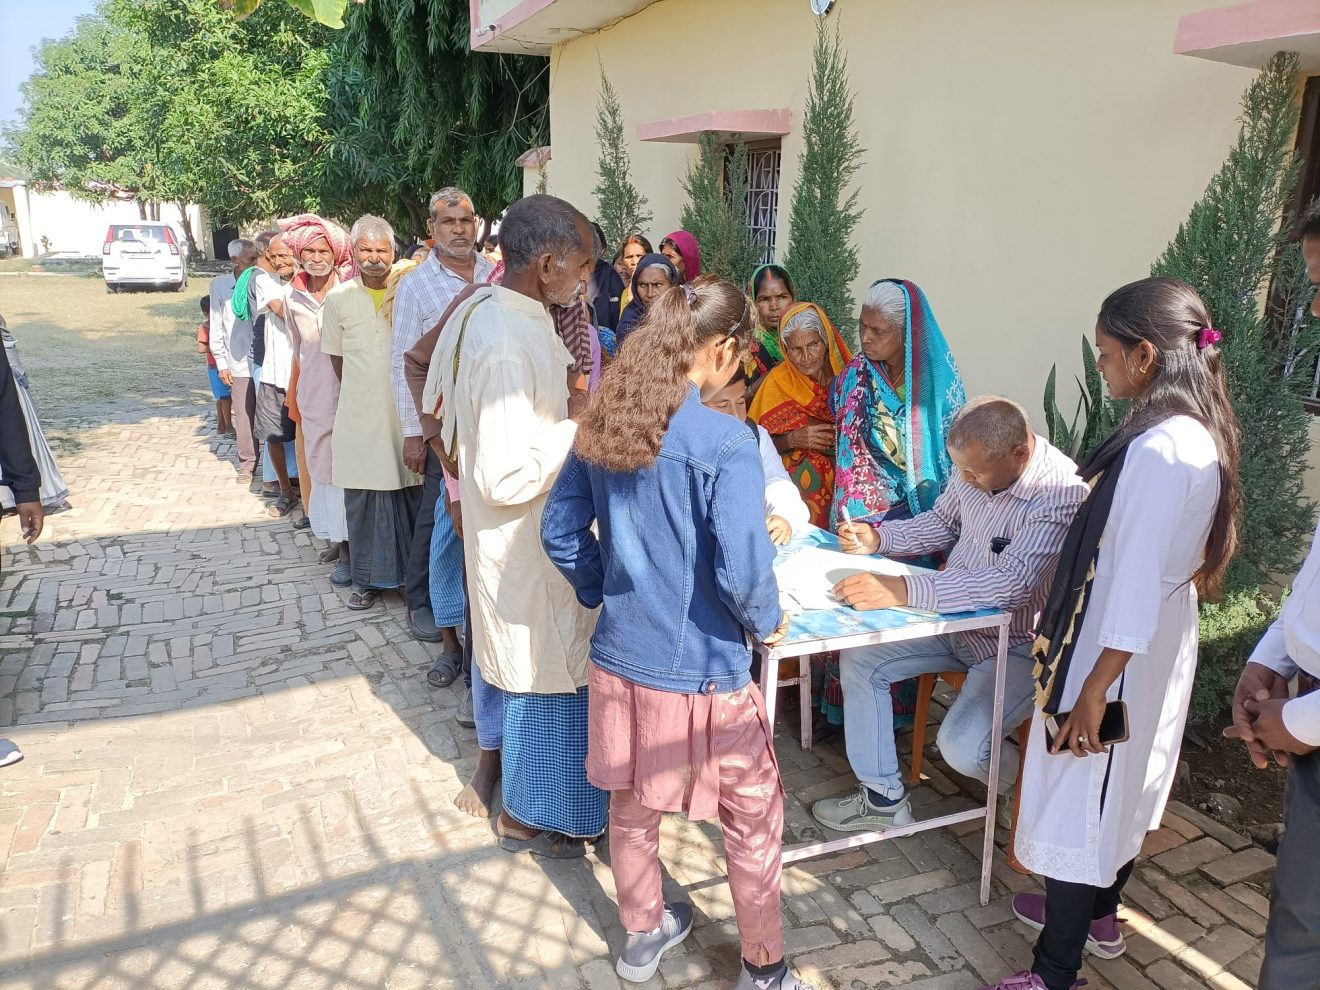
(23, 217)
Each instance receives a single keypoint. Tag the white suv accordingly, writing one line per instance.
(143, 254)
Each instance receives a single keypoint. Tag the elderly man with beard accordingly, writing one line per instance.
(500, 380)
(381, 494)
(420, 299)
(323, 250)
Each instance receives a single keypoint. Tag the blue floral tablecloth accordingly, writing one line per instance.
(823, 624)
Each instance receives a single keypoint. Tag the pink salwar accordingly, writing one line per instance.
(706, 755)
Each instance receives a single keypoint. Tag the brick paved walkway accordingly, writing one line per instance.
(233, 781)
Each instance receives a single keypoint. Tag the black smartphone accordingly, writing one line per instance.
(1113, 725)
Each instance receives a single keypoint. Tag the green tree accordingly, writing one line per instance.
(620, 208)
(716, 210)
(327, 12)
(1232, 249)
(824, 215)
(80, 128)
(176, 101)
(238, 108)
(413, 110)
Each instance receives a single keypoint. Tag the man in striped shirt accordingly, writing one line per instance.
(1001, 521)
(451, 266)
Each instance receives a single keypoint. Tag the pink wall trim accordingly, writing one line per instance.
(1243, 23)
(512, 19)
(727, 121)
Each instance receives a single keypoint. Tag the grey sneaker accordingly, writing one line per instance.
(856, 812)
(9, 753)
(464, 716)
(641, 953)
(784, 981)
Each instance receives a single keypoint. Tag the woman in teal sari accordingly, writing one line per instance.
(893, 404)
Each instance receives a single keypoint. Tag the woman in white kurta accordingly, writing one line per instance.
(1143, 603)
(1169, 500)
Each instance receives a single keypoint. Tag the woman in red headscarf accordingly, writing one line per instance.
(681, 248)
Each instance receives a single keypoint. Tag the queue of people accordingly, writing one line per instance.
(578, 471)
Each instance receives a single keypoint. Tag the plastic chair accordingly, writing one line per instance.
(926, 688)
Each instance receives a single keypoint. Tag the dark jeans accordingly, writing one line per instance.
(417, 589)
(1069, 910)
(1292, 937)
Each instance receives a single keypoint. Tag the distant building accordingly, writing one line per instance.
(72, 227)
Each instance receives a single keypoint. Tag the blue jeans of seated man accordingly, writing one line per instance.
(964, 736)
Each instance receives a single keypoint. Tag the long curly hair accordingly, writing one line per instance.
(639, 393)
(1190, 381)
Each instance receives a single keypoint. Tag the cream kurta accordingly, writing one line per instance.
(318, 388)
(368, 438)
(1083, 818)
(510, 410)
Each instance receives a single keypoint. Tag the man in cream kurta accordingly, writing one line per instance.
(510, 410)
(506, 419)
(381, 494)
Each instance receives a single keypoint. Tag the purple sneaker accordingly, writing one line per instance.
(1104, 939)
(1026, 980)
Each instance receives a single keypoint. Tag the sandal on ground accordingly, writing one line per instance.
(283, 505)
(302, 522)
(445, 670)
(360, 601)
(329, 555)
(547, 845)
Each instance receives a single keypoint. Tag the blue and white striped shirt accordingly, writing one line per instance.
(420, 300)
(1027, 520)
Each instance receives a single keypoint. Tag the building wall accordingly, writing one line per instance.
(1024, 157)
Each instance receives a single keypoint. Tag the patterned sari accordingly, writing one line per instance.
(891, 457)
(789, 400)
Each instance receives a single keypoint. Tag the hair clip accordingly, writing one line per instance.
(690, 294)
(1208, 336)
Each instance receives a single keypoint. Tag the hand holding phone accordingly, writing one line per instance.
(1062, 731)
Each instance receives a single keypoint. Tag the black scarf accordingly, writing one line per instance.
(1065, 609)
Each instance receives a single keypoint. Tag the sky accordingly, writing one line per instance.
(25, 25)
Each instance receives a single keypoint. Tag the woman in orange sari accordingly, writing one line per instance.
(793, 404)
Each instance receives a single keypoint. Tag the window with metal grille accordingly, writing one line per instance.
(763, 159)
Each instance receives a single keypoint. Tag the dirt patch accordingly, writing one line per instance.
(94, 358)
(1220, 766)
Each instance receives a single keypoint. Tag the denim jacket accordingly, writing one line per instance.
(683, 564)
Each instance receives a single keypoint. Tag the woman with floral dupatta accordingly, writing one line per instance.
(793, 404)
(893, 405)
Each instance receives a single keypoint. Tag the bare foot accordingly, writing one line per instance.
(474, 799)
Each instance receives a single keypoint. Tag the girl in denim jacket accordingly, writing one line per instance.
(681, 571)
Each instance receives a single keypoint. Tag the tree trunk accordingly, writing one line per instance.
(485, 233)
(155, 210)
(142, 209)
(188, 231)
(416, 215)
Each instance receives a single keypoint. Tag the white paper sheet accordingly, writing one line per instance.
(806, 577)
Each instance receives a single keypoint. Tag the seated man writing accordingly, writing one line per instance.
(1001, 520)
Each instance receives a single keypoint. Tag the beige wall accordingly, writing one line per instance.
(1024, 157)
